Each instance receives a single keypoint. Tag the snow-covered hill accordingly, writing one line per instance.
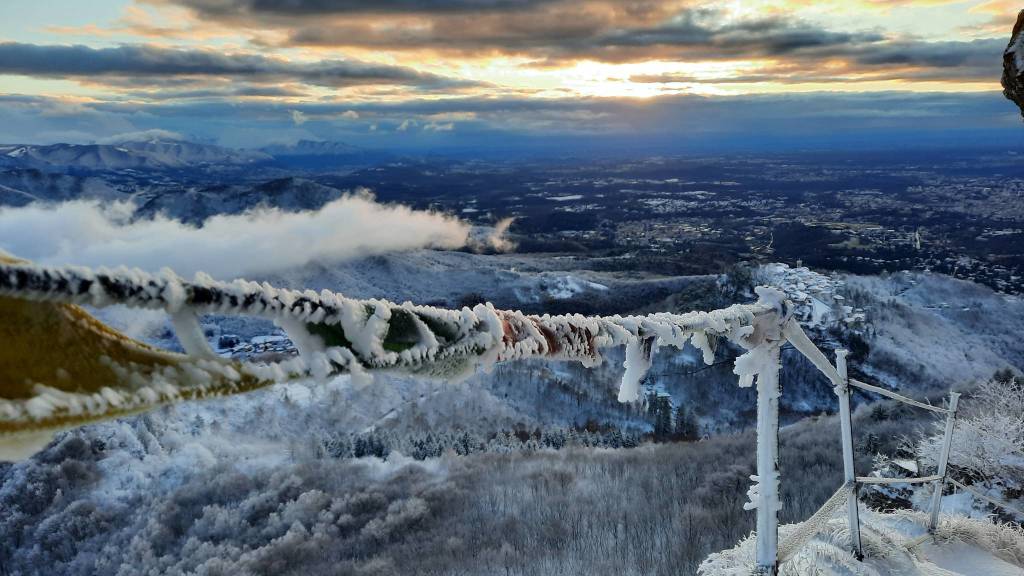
(930, 332)
(532, 283)
(195, 204)
(190, 203)
(19, 187)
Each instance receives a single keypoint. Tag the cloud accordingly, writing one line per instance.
(701, 29)
(298, 117)
(350, 115)
(608, 30)
(322, 7)
(554, 32)
(43, 119)
(147, 61)
(226, 246)
(522, 125)
(978, 60)
(439, 127)
(977, 54)
(497, 238)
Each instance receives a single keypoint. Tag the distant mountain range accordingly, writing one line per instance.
(168, 154)
(312, 148)
(188, 181)
(324, 156)
(146, 155)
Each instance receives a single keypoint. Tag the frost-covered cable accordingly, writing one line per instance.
(337, 334)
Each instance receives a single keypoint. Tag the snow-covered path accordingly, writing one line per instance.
(962, 547)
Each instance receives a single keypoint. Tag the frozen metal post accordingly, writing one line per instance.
(768, 503)
(947, 441)
(849, 473)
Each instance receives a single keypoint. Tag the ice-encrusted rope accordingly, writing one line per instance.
(436, 337)
(814, 525)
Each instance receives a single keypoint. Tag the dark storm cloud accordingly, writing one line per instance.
(220, 93)
(978, 53)
(321, 7)
(687, 33)
(142, 60)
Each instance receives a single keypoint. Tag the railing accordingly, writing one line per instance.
(769, 552)
(842, 384)
(335, 334)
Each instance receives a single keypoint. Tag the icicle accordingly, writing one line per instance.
(638, 362)
(700, 342)
(190, 334)
(753, 493)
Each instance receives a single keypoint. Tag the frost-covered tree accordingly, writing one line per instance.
(659, 410)
(989, 437)
(686, 424)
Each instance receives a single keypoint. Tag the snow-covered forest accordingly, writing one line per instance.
(180, 498)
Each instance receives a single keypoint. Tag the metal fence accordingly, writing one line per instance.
(769, 552)
(441, 342)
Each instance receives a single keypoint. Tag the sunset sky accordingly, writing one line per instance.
(450, 73)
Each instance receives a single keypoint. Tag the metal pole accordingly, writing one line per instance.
(768, 503)
(947, 441)
(849, 473)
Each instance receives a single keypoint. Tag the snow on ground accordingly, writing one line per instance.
(815, 295)
(559, 287)
(960, 558)
(507, 280)
(961, 547)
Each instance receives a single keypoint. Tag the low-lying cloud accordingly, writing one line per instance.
(226, 246)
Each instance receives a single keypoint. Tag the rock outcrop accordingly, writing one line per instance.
(1013, 65)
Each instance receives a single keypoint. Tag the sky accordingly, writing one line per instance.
(509, 75)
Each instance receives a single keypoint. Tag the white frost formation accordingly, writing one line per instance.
(335, 334)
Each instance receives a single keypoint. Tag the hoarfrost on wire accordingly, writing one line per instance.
(441, 343)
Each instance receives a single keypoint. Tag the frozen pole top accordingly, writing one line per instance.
(1013, 65)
